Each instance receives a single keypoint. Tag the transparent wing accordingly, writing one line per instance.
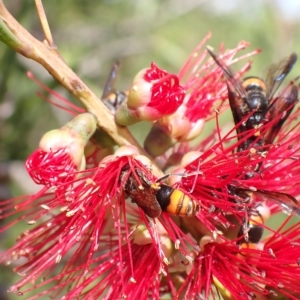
(277, 74)
(288, 203)
(282, 106)
(230, 75)
(109, 86)
(239, 108)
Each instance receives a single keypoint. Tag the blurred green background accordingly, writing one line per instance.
(92, 35)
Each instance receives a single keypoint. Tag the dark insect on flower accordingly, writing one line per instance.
(155, 197)
(112, 98)
(251, 231)
(253, 105)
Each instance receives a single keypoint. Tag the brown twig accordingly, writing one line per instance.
(44, 23)
(17, 37)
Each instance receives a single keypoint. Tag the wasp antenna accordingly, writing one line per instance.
(163, 177)
(182, 174)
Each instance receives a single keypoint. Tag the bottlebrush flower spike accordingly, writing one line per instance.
(90, 242)
(154, 93)
(271, 268)
(93, 212)
(217, 173)
(137, 278)
(72, 225)
(61, 152)
(205, 91)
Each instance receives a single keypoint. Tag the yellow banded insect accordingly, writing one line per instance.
(253, 104)
(155, 198)
(176, 202)
(252, 230)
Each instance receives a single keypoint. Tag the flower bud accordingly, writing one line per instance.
(171, 129)
(61, 151)
(72, 137)
(127, 150)
(154, 93)
(158, 141)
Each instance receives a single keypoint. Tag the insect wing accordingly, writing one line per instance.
(239, 108)
(230, 76)
(142, 193)
(277, 74)
(110, 97)
(111, 80)
(281, 106)
(288, 203)
(146, 200)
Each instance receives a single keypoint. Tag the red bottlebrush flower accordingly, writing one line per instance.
(237, 272)
(73, 224)
(194, 238)
(202, 80)
(46, 167)
(61, 152)
(167, 94)
(205, 91)
(90, 230)
(136, 272)
(154, 93)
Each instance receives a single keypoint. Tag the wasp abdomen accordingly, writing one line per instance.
(253, 231)
(254, 83)
(176, 202)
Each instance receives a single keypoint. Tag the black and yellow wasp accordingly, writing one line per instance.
(253, 104)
